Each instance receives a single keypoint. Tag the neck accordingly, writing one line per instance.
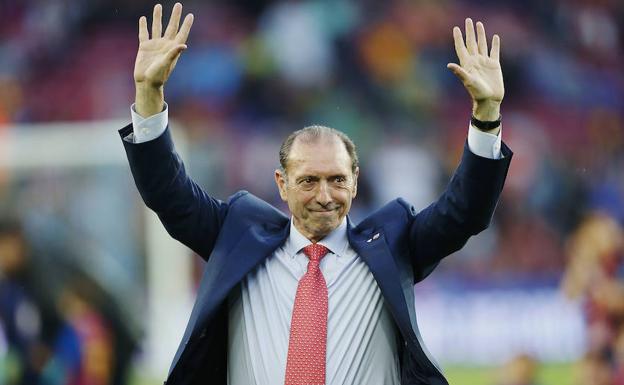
(313, 237)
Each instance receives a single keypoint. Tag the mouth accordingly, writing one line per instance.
(323, 211)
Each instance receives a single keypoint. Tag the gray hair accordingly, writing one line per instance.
(312, 133)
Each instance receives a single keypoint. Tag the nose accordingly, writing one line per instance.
(323, 196)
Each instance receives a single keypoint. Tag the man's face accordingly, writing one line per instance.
(318, 185)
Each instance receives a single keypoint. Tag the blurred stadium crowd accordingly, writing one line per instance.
(255, 70)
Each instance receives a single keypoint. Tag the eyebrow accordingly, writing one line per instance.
(315, 177)
(302, 177)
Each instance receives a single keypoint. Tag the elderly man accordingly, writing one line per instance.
(311, 298)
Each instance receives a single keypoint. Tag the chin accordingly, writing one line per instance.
(327, 227)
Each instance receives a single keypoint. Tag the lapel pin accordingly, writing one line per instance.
(373, 238)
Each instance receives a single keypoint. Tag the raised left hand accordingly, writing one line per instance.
(479, 71)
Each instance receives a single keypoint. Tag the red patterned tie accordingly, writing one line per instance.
(305, 364)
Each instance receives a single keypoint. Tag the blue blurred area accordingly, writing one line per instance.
(256, 70)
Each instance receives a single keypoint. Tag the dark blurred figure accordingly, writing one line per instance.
(521, 370)
(595, 273)
(54, 334)
(593, 370)
(84, 348)
(618, 358)
(25, 316)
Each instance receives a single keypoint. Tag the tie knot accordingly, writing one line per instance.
(315, 251)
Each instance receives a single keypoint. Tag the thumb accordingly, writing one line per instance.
(160, 70)
(174, 52)
(459, 72)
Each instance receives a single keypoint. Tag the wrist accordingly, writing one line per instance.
(486, 110)
(149, 99)
(490, 127)
(148, 89)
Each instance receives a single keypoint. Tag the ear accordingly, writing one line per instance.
(280, 180)
(356, 174)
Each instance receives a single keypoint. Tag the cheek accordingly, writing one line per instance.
(344, 197)
(298, 199)
(345, 192)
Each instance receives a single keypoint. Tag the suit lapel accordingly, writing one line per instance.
(228, 269)
(373, 249)
(225, 269)
(255, 245)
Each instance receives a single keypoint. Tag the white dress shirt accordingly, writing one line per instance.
(361, 335)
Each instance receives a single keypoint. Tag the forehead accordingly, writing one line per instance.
(326, 154)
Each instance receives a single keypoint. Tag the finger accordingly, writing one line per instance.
(143, 34)
(174, 21)
(459, 72)
(185, 29)
(174, 52)
(170, 58)
(495, 52)
(481, 40)
(460, 47)
(157, 21)
(471, 41)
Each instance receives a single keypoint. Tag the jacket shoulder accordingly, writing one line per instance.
(253, 210)
(395, 212)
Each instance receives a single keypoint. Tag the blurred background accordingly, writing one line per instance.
(92, 291)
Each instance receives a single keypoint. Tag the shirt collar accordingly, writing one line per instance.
(336, 241)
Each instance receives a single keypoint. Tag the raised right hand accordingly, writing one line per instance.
(157, 56)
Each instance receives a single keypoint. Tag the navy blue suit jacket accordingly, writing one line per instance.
(234, 236)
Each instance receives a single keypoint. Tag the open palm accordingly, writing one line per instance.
(158, 55)
(479, 71)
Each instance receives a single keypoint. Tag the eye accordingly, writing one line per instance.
(341, 179)
(307, 181)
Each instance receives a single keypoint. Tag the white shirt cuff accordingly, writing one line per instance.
(146, 129)
(484, 144)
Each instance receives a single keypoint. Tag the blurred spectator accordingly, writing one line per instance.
(69, 345)
(593, 370)
(521, 370)
(391, 162)
(83, 349)
(618, 358)
(26, 322)
(595, 273)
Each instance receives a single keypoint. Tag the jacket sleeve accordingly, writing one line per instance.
(464, 209)
(187, 212)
